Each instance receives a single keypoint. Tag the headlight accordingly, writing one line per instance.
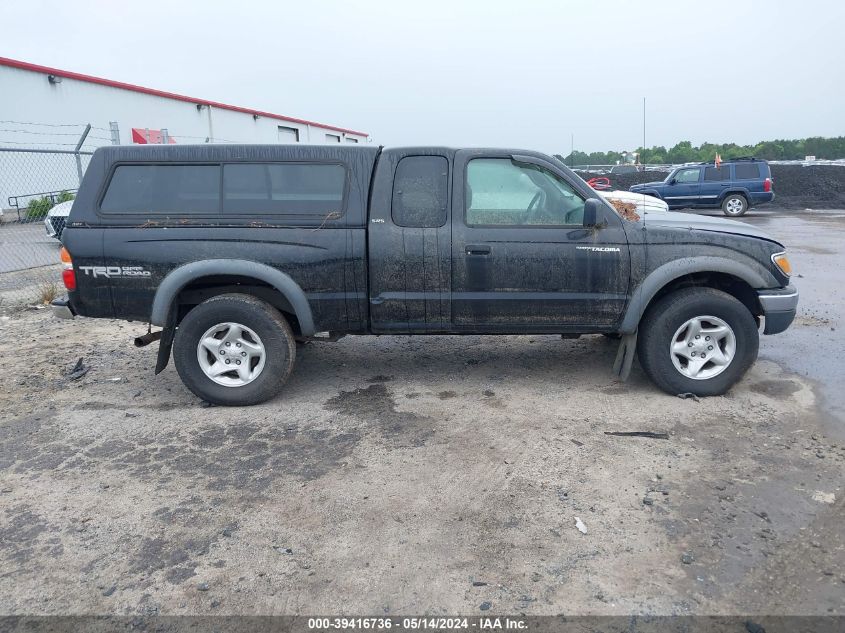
(782, 262)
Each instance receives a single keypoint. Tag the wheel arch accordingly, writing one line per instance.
(278, 288)
(733, 277)
(651, 192)
(739, 191)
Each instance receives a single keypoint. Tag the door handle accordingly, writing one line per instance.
(477, 249)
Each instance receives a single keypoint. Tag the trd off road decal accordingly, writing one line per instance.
(115, 271)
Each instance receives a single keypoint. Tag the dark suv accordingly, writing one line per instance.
(734, 186)
(237, 252)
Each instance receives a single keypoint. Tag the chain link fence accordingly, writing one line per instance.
(36, 190)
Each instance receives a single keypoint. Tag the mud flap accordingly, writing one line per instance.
(625, 356)
(164, 347)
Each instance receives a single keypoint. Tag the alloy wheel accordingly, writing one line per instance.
(703, 347)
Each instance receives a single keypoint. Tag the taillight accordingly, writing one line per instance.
(69, 278)
(767, 185)
(68, 275)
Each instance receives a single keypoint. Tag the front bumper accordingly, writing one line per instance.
(779, 306)
(55, 224)
(61, 308)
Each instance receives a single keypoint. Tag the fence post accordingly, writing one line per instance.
(115, 133)
(79, 147)
(165, 137)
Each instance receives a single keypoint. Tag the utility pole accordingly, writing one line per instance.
(643, 124)
(572, 150)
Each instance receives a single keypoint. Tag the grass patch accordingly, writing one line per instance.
(47, 291)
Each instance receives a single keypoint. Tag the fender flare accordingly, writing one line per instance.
(739, 190)
(651, 192)
(670, 271)
(177, 279)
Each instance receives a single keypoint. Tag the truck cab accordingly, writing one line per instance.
(486, 241)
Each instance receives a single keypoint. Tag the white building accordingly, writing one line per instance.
(49, 109)
(33, 94)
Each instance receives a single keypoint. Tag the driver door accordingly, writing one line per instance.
(686, 189)
(522, 261)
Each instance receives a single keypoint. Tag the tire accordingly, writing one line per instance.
(735, 205)
(671, 368)
(252, 334)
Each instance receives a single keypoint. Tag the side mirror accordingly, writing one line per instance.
(591, 208)
(673, 181)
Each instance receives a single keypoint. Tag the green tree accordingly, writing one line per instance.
(683, 152)
(38, 208)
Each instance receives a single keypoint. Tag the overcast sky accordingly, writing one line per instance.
(520, 73)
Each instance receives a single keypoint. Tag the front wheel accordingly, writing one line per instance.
(697, 340)
(734, 205)
(234, 350)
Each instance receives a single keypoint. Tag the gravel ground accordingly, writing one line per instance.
(26, 246)
(424, 475)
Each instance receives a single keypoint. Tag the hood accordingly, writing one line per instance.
(677, 220)
(642, 185)
(60, 210)
(643, 202)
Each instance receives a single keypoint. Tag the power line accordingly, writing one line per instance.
(2, 142)
(76, 134)
(93, 127)
(40, 133)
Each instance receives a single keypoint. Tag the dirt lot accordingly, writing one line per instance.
(428, 475)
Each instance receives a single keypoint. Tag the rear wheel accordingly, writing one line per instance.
(697, 340)
(735, 205)
(234, 350)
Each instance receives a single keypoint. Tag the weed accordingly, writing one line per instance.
(48, 291)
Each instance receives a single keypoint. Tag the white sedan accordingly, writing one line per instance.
(644, 203)
(56, 219)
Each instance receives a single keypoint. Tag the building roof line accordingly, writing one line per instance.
(14, 63)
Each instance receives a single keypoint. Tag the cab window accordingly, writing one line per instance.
(717, 173)
(420, 192)
(686, 176)
(502, 192)
(747, 171)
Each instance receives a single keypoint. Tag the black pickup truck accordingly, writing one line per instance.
(239, 251)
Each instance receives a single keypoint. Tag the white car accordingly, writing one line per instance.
(644, 203)
(56, 219)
